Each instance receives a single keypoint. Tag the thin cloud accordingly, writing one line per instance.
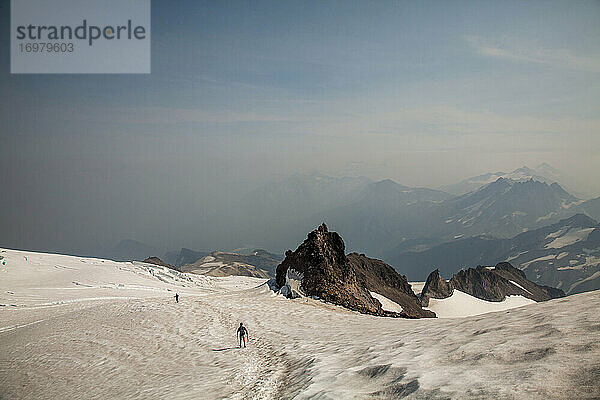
(168, 115)
(560, 58)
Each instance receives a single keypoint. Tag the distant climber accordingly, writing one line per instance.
(176, 297)
(242, 333)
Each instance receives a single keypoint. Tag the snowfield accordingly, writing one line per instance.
(81, 328)
(464, 305)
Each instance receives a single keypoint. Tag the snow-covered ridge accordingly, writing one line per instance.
(541, 173)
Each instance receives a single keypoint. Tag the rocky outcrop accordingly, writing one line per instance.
(159, 262)
(482, 283)
(535, 292)
(235, 269)
(381, 278)
(259, 263)
(320, 268)
(495, 283)
(435, 287)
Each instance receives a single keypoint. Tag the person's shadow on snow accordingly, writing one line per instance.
(225, 349)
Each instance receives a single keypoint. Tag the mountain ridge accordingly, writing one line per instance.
(560, 254)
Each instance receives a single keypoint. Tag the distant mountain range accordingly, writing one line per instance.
(542, 173)
(386, 214)
(183, 257)
(393, 221)
(281, 212)
(506, 207)
(390, 218)
(592, 208)
(565, 255)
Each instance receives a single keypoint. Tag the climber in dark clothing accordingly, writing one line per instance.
(242, 333)
(177, 297)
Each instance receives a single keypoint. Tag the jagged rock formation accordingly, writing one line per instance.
(488, 283)
(320, 268)
(435, 287)
(158, 261)
(484, 284)
(379, 277)
(536, 292)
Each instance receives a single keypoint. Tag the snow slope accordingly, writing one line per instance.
(568, 238)
(37, 281)
(123, 337)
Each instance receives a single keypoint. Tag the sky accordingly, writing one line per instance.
(244, 93)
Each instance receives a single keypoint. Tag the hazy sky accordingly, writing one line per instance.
(241, 93)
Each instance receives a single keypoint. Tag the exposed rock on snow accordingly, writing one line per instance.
(482, 290)
(495, 284)
(435, 287)
(536, 292)
(487, 283)
(158, 261)
(381, 278)
(326, 272)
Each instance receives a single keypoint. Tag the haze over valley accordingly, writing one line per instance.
(413, 228)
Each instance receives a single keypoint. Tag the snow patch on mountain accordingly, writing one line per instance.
(573, 235)
(519, 286)
(387, 304)
(544, 258)
(516, 255)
